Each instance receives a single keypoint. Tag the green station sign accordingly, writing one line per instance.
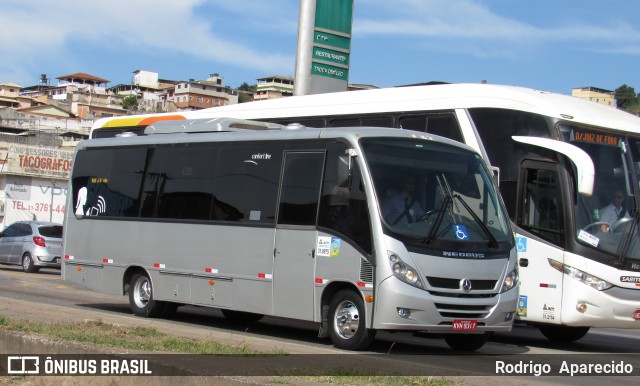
(328, 55)
(329, 71)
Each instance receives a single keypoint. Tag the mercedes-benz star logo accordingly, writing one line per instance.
(465, 285)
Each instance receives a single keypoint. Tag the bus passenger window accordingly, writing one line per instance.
(373, 121)
(242, 170)
(179, 183)
(109, 185)
(442, 124)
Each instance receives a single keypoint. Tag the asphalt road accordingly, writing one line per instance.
(46, 297)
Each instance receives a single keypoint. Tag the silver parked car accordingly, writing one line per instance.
(32, 244)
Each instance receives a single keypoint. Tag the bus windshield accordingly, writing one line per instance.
(435, 192)
(608, 219)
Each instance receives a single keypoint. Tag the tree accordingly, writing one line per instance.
(246, 87)
(245, 92)
(626, 97)
(130, 103)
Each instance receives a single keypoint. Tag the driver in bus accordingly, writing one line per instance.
(403, 208)
(614, 211)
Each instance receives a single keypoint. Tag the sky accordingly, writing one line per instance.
(551, 45)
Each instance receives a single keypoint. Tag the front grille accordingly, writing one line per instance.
(447, 283)
(366, 271)
(461, 295)
(463, 311)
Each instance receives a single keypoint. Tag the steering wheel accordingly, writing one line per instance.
(599, 224)
(619, 224)
(427, 214)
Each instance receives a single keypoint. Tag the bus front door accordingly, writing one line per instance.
(294, 254)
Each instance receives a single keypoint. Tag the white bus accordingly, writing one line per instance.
(296, 222)
(560, 160)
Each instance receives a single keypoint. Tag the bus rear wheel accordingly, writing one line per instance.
(141, 297)
(563, 333)
(466, 342)
(347, 322)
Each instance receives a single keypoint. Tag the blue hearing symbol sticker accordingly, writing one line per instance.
(521, 244)
(460, 232)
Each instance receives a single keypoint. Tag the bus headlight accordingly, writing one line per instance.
(404, 271)
(510, 281)
(581, 276)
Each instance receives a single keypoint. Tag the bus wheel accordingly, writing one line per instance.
(241, 316)
(141, 297)
(28, 265)
(466, 342)
(347, 322)
(563, 333)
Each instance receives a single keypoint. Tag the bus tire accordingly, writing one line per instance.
(241, 316)
(466, 342)
(347, 324)
(563, 333)
(141, 297)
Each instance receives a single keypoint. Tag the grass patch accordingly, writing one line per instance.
(351, 377)
(135, 338)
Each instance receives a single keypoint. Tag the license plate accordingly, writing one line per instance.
(464, 325)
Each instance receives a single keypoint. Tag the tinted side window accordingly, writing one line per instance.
(375, 121)
(542, 207)
(344, 209)
(107, 182)
(300, 188)
(443, 124)
(246, 182)
(179, 182)
(496, 127)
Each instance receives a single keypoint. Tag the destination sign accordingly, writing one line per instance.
(594, 137)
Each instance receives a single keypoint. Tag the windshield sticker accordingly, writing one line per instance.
(460, 232)
(328, 246)
(522, 306)
(588, 238)
(521, 244)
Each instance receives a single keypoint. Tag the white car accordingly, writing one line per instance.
(32, 244)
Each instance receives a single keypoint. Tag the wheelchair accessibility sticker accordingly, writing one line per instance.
(460, 232)
(521, 244)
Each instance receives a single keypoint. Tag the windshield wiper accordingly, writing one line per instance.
(434, 229)
(628, 239)
(493, 243)
(445, 189)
